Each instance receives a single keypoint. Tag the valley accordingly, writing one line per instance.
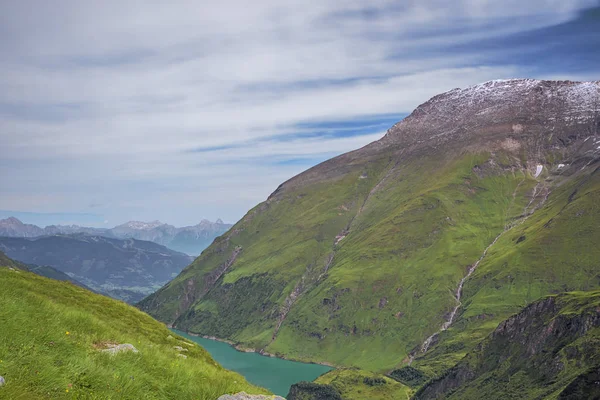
(420, 266)
(300, 200)
(411, 250)
(274, 374)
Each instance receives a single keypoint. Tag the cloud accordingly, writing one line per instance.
(179, 107)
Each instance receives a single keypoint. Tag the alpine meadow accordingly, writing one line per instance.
(300, 200)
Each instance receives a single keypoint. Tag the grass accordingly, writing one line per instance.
(536, 355)
(558, 254)
(52, 334)
(414, 231)
(355, 384)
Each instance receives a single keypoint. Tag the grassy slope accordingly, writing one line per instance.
(509, 363)
(355, 384)
(559, 253)
(392, 280)
(50, 332)
(434, 226)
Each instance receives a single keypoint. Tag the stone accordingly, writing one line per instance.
(120, 348)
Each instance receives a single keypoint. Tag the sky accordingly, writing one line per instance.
(181, 110)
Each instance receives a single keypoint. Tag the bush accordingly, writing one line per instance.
(313, 391)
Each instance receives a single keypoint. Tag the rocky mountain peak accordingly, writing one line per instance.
(12, 225)
(142, 225)
(501, 107)
(515, 115)
(11, 221)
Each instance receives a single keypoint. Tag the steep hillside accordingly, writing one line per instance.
(415, 247)
(545, 351)
(70, 357)
(125, 269)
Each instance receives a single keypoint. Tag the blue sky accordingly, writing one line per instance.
(182, 110)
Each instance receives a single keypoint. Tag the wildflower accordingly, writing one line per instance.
(67, 333)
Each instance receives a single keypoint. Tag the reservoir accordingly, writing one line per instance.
(275, 374)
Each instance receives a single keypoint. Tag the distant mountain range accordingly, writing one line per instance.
(188, 239)
(126, 269)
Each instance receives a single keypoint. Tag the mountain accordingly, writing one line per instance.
(56, 342)
(412, 249)
(546, 351)
(126, 269)
(188, 239)
(45, 271)
(13, 227)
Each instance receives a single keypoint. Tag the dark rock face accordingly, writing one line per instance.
(536, 343)
(313, 391)
(125, 269)
(585, 386)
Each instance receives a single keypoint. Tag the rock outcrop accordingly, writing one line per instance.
(552, 343)
(113, 349)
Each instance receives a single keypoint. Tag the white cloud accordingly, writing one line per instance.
(103, 101)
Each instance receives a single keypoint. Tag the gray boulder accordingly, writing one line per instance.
(120, 348)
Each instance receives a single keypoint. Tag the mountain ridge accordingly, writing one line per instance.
(190, 239)
(367, 250)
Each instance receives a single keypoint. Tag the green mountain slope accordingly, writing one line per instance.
(546, 351)
(53, 335)
(413, 248)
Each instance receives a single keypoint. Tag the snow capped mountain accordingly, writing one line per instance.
(14, 227)
(139, 225)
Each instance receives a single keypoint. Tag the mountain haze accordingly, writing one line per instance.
(412, 249)
(127, 269)
(188, 239)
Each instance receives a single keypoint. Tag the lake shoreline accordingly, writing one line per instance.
(242, 349)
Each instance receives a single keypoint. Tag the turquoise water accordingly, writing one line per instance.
(275, 374)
